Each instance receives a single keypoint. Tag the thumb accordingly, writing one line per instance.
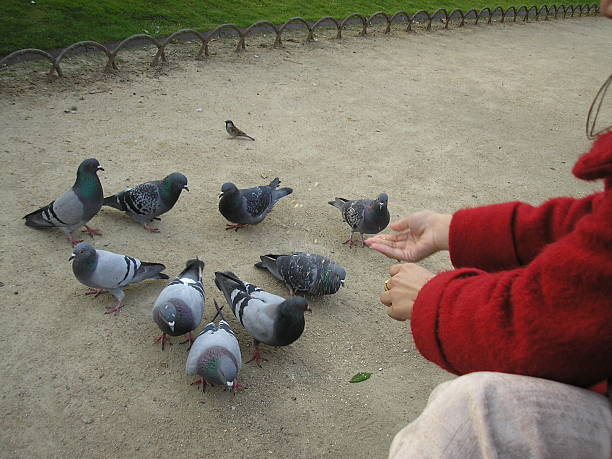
(401, 225)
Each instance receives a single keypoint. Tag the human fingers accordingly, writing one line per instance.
(394, 269)
(401, 312)
(386, 250)
(400, 225)
(389, 238)
(385, 298)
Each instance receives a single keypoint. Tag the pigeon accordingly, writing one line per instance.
(107, 271)
(180, 306)
(269, 319)
(147, 201)
(364, 216)
(75, 207)
(305, 272)
(232, 130)
(215, 356)
(249, 206)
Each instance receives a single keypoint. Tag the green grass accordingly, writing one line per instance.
(48, 24)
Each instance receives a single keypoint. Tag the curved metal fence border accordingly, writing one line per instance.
(418, 17)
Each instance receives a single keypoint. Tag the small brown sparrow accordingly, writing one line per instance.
(232, 130)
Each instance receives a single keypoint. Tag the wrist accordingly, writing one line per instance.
(442, 229)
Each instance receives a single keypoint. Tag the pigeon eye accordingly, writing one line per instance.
(81, 251)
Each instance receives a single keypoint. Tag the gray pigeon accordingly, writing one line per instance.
(180, 306)
(75, 207)
(147, 201)
(364, 216)
(107, 271)
(269, 319)
(305, 272)
(215, 356)
(249, 206)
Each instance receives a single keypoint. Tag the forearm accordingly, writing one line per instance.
(441, 231)
(549, 319)
(505, 236)
(487, 322)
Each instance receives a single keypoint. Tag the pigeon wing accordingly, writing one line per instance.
(258, 200)
(353, 213)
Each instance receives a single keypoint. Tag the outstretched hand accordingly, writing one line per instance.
(417, 236)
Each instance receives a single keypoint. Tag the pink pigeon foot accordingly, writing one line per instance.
(258, 357)
(150, 229)
(95, 291)
(189, 340)
(92, 231)
(235, 226)
(115, 308)
(202, 381)
(74, 241)
(351, 243)
(164, 339)
(237, 386)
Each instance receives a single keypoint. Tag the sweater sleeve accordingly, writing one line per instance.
(504, 236)
(550, 319)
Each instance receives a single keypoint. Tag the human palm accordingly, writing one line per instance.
(417, 236)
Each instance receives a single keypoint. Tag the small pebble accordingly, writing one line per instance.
(198, 109)
(86, 420)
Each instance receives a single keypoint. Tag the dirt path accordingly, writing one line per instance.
(441, 120)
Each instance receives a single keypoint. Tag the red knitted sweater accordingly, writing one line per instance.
(532, 292)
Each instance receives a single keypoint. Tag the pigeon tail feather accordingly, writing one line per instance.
(268, 262)
(193, 268)
(227, 277)
(150, 271)
(113, 201)
(338, 202)
(281, 193)
(35, 219)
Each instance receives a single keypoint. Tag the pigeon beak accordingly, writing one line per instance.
(100, 168)
(342, 283)
(171, 325)
(71, 256)
(308, 309)
(186, 188)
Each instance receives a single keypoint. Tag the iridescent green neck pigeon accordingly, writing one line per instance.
(75, 207)
(147, 201)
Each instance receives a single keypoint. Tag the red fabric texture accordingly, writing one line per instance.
(532, 294)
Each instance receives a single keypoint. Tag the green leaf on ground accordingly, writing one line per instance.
(360, 377)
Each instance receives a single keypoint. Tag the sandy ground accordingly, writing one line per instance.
(441, 120)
